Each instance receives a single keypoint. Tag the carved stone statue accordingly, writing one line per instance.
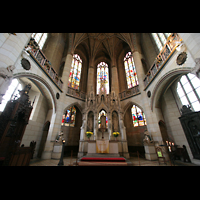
(147, 138)
(6, 75)
(115, 122)
(103, 121)
(90, 122)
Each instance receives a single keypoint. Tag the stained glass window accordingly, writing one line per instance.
(188, 89)
(69, 117)
(102, 78)
(138, 116)
(75, 72)
(131, 75)
(40, 38)
(99, 121)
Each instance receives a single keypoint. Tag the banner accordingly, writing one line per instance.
(102, 146)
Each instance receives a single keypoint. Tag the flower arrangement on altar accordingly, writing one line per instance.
(116, 134)
(88, 133)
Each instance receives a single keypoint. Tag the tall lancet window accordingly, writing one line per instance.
(131, 75)
(75, 73)
(102, 78)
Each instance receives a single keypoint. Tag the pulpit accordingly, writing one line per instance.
(13, 122)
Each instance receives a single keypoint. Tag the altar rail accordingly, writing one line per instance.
(38, 56)
(168, 49)
(129, 93)
(76, 94)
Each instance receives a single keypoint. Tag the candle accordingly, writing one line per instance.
(172, 144)
(167, 143)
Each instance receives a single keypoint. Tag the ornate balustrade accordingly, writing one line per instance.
(76, 94)
(38, 56)
(129, 93)
(168, 49)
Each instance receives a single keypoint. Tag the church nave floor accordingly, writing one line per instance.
(134, 160)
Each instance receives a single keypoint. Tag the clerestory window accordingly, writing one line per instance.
(75, 72)
(102, 78)
(160, 39)
(40, 38)
(131, 75)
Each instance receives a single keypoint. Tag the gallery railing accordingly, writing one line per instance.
(129, 93)
(76, 94)
(168, 49)
(38, 56)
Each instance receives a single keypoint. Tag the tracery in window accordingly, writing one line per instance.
(40, 38)
(102, 78)
(138, 116)
(75, 72)
(131, 75)
(69, 117)
(188, 89)
(11, 93)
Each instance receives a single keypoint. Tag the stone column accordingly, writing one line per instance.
(90, 81)
(56, 119)
(151, 117)
(115, 80)
(139, 69)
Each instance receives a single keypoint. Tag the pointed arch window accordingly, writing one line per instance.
(40, 38)
(102, 78)
(131, 75)
(75, 72)
(138, 116)
(69, 117)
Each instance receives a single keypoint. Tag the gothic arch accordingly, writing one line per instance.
(74, 104)
(164, 82)
(128, 105)
(43, 82)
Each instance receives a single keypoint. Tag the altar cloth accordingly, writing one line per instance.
(102, 146)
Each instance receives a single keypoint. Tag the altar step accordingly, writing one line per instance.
(103, 159)
(110, 155)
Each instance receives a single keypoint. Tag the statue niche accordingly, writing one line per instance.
(115, 121)
(90, 121)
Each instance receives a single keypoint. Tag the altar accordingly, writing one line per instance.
(103, 146)
(102, 116)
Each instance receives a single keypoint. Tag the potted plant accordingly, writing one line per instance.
(88, 133)
(116, 134)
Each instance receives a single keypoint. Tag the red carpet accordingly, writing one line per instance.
(102, 161)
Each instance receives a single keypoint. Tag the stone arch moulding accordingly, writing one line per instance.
(164, 81)
(41, 80)
(74, 104)
(131, 103)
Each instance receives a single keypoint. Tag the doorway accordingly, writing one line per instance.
(43, 139)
